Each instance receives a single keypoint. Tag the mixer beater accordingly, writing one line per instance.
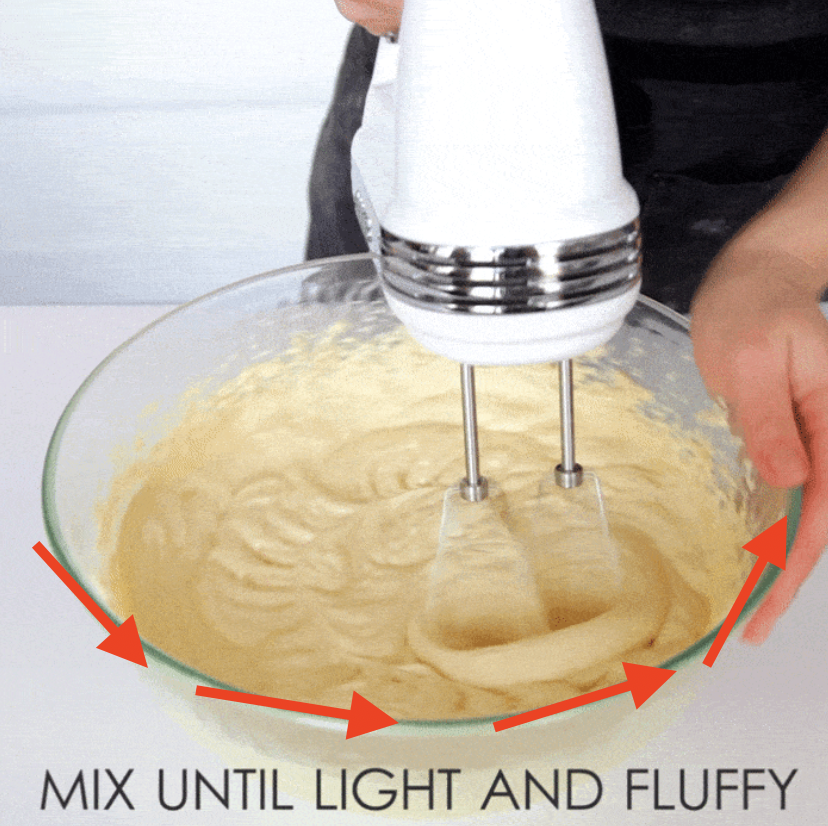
(565, 297)
(509, 235)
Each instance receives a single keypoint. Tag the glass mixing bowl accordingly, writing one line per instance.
(143, 389)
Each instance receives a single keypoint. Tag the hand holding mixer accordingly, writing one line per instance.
(509, 235)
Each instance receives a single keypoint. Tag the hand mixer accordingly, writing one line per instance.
(509, 235)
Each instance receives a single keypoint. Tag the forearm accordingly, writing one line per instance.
(795, 223)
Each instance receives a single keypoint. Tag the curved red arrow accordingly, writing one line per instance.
(123, 641)
(363, 717)
(769, 546)
(642, 682)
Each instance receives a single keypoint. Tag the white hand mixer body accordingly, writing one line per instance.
(507, 231)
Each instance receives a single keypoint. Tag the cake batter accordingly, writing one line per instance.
(279, 539)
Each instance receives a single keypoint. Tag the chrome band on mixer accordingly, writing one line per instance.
(518, 279)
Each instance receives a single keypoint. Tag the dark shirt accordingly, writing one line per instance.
(717, 103)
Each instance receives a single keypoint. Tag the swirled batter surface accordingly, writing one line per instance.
(280, 538)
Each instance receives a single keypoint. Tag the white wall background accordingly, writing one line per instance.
(152, 150)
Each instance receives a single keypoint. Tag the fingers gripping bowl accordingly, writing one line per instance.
(297, 505)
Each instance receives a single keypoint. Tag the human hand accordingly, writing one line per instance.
(761, 345)
(378, 16)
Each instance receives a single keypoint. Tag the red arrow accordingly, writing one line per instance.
(769, 546)
(363, 717)
(123, 641)
(642, 682)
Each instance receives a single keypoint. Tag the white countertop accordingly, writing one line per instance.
(67, 706)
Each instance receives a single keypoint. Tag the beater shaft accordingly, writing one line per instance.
(568, 474)
(474, 487)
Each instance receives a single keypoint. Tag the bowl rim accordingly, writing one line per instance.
(454, 727)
